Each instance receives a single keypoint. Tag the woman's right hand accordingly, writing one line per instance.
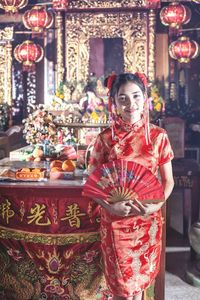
(124, 208)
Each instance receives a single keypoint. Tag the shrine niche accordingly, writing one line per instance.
(6, 36)
(135, 28)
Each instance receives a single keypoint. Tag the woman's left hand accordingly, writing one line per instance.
(147, 209)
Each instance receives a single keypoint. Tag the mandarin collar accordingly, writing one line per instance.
(124, 126)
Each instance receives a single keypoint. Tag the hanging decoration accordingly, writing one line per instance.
(184, 49)
(37, 19)
(59, 5)
(28, 54)
(175, 15)
(12, 6)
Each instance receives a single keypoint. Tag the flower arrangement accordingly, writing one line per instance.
(157, 103)
(40, 128)
(156, 99)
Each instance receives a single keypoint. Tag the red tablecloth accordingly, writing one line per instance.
(49, 245)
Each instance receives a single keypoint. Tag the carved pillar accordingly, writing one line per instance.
(6, 36)
(60, 49)
(8, 73)
(151, 65)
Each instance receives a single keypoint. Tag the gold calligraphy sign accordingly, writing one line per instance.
(73, 215)
(37, 215)
(5, 211)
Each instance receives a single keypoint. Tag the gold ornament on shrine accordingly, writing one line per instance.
(12, 6)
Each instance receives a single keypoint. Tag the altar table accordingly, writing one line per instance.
(50, 243)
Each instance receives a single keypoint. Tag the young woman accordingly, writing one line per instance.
(131, 232)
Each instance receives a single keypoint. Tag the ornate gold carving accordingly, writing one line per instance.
(152, 37)
(6, 73)
(83, 4)
(60, 52)
(49, 239)
(6, 34)
(132, 27)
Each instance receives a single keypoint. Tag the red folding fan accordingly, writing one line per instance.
(123, 180)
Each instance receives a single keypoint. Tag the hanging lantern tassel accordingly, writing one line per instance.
(184, 49)
(28, 54)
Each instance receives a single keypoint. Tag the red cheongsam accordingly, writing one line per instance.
(131, 246)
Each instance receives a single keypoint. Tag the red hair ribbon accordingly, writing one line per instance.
(142, 77)
(111, 79)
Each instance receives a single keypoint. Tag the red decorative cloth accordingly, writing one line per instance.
(131, 246)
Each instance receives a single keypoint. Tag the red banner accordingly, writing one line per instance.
(50, 246)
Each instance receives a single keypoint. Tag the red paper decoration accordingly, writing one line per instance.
(175, 15)
(12, 6)
(59, 5)
(184, 49)
(37, 19)
(28, 54)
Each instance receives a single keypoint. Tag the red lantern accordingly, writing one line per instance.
(59, 5)
(12, 6)
(37, 19)
(184, 49)
(175, 15)
(28, 54)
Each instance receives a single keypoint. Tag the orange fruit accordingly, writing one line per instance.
(56, 169)
(68, 165)
(36, 170)
(26, 170)
(56, 163)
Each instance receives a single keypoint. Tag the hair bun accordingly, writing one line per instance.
(142, 77)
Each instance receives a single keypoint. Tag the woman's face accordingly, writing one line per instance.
(130, 102)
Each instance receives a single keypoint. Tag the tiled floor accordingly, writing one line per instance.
(177, 259)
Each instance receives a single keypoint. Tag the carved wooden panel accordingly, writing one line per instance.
(6, 35)
(136, 28)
